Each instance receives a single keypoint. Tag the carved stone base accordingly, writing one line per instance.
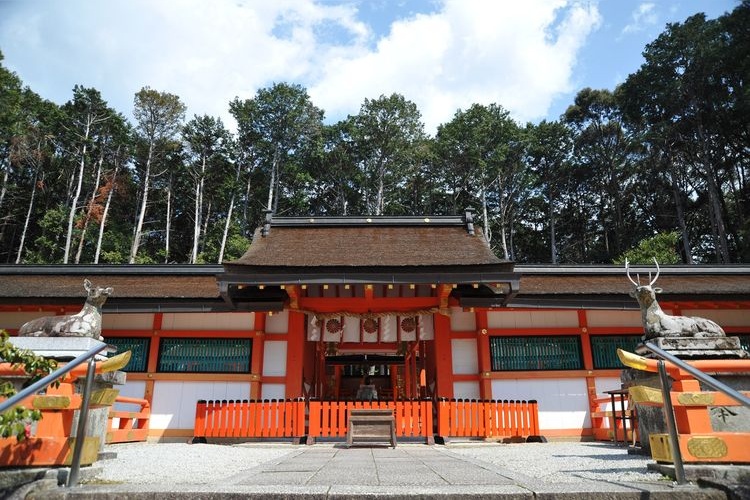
(698, 347)
(651, 418)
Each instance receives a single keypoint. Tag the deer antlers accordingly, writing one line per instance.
(652, 281)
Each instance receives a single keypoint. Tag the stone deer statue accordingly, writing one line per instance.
(657, 323)
(86, 323)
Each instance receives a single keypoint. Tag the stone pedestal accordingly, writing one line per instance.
(698, 347)
(651, 418)
(103, 393)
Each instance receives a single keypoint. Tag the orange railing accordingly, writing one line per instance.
(131, 425)
(488, 419)
(269, 418)
(329, 418)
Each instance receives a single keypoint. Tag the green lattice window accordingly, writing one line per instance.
(536, 353)
(744, 341)
(604, 349)
(138, 346)
(194, 355)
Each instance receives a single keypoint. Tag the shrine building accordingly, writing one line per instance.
(420, 305)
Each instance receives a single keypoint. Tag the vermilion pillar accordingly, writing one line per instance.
(443, 357)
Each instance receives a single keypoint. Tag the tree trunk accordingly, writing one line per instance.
(168, 221)
(74, 202)
(225, 235)
(105, 213)
(142, 213)
(228, 223)
(552, 238)
(28, 216)
(4, 186)
(685, 237)
(198, 209)
(92, 200)
(272, 183)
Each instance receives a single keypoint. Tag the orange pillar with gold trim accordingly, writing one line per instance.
(256, 366)
(588, 364)
(483, 355)
(295, 354)
(443, 356)
(153, 358)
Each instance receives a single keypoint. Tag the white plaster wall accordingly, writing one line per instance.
(273, 391)
(466, 390)
(17, 319)
(563, 403)
(532, 319)
(722, 317)
(134, 389)
(274, 358)
(127, 321)
(208, 321)
(462, 321)
(277, 322)
(174, 401)
(606, 384)
(465, 356)
(606, 318)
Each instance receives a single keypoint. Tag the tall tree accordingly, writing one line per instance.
(549, 152)
(602, 148)
(691, 98)
(31, 151)
(86, 114)
(482, 150)
(10, 116)
(387, 134)
(158, 116)
(209, 146)
(275, 128)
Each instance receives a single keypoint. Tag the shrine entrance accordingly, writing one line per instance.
(398, 371)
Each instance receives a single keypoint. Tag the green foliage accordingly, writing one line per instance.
(14, 422)
(662, 247)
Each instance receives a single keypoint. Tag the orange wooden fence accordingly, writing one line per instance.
(329, 418)
(322, 419)
(269, 418)
(131, 425)
(488, 419)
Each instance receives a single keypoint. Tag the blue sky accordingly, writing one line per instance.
(530, 56)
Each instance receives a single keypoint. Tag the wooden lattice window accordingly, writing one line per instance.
(536, 353)
(604, 349)
(138, 347)
(194, 355)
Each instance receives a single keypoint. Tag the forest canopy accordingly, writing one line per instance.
(664, 158)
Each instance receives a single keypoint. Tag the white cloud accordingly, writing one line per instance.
(517, 54)
(520, 55)
(645, 15)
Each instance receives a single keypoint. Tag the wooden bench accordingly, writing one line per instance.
(368, 426)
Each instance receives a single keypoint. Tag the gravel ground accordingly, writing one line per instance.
(180, 463)
(564, 462)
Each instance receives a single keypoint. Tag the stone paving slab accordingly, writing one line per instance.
(406, 472)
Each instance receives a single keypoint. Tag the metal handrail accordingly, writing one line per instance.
(40, 384)
(679, 469)
(703, 377)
